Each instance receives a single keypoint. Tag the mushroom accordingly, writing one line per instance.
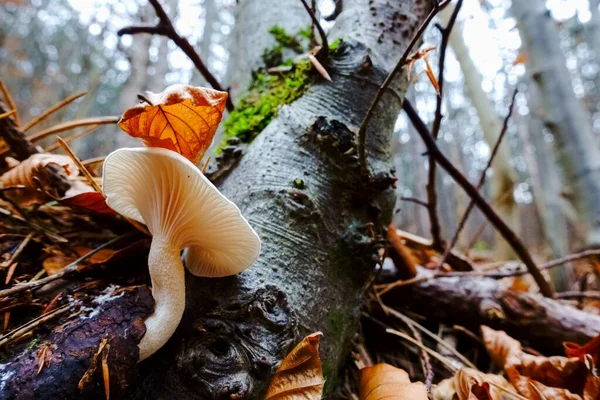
(181, 208)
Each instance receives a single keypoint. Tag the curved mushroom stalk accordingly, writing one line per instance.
(168, 290)
(165, 191)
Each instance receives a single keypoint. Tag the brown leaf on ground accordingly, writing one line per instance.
(592, 348)
(32, 174)
(555, 377)
(383, 381)
(82, 195)
(300, 375)
(57, 262)
(470, 384)
(180, 118)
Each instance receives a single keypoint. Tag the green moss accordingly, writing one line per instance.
(32, 344)
(306, 32)
(339, 321)
(335, 44)
(267, 92)
(286, 40)
(298, 183)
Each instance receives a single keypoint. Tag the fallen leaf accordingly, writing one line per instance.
(180, 118)
(58, 262)
(555, 377)
(300, 375)
(32, 174)
(592, 348)
(522, 58)
(383, 381)
(90, 201)
(470, 384)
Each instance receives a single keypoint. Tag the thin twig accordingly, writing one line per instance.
(362, 133)
(68, 139)
(65, 126)
(446, 32)
(578, 295)
(414, 200)
(432, 203)
(68, 270)
(507, 233)
(471, 205)
(17, 252)
(29, 326)
(315, 21)
(81, 167)
(10, 103)
(8, 113)
(165, 28)
(53, 109)
(444, 360)
(432, 335)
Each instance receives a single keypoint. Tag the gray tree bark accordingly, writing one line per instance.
(504, 176)
(563, 115)
(546, 184)
(320, 238)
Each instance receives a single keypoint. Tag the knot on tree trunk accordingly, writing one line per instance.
(223, 353)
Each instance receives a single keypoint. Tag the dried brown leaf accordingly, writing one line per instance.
(555, 377)
(300, 375)
(383, 381)
(470, 384)
(181, 118)
(31, 173)
(57, 262)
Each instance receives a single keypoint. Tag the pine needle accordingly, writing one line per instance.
(10, 103)
(52, 110)
(65, 126)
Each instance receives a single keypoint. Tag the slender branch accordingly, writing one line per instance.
(432, 202)
(446, 32)
(315, 20)
(53, 109)
(507, 233)
(471, 205)
(362, 133)
(578, 295)
(165, 28)
(414, 200)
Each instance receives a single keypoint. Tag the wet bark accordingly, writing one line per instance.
(67, 353)
(473, 301)
(321, 221)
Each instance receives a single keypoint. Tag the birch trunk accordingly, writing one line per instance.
(318, 250)
(563, 114)
(504, 176)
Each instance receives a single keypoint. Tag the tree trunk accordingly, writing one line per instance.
(504, 176)
(563, 115)
(320, 237)
(546, 187)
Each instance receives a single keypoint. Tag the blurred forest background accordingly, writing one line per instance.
(50, 49)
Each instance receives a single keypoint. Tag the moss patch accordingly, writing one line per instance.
(259, 105)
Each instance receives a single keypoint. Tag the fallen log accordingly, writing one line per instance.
(541, 322)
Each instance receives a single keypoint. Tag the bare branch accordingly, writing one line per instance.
(507, 233)
(471, 205)
(315, 20)
(165, 28)
(362, 133)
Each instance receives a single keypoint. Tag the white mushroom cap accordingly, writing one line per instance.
(181, 208)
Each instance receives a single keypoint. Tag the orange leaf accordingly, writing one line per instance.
(592, 348)
(300, 375)
(91, 201)
(56, 263)
(181, 118)
(382, 381)
(470, 384)
(554, 377)
(521, 58)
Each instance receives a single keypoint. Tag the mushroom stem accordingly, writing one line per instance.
(168, 290)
